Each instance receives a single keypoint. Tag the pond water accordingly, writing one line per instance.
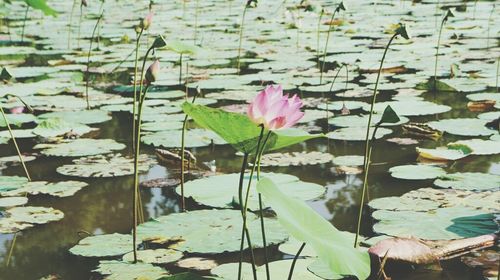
(274, 51)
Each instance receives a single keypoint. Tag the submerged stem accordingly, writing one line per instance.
(292, 267)
(15, 143)
(367, 141)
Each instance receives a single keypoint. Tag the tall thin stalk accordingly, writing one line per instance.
(292, 267)
(71, 23)
(134, 109)
(401, 30)
(79, 27)
(245, 206)
(489, 23)
(339, 7)
(15, 143)
(180, 69)
(183, 148)
(241, 33)
(88, 60)
(445, 18)
(328, 101)
(24, 22)
(196, 20)
(317, 36)
(136, 171)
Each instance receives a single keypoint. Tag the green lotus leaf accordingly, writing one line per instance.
(208, 231)
(469, 181)
(221, 191)
(439, 224)
(278, 270)
(59, 189)
(479, 146)
(172, 138)
(361, 121)
(7, 202)
(105, 245)
(295, 159)
(83, 116)
(8, 183)
(462, 127)
(356, 134)
(119, 270)
(17, 119)
(42, 6)
(80, 147)
(55, 127)
(416, 172)
(239, 131)
(350, 160)
(334, 248)
(111, 165)
(438, 86)
(157, 256)
(410, 107)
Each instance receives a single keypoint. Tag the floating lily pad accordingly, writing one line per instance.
(55, 126)
(479, 146)
(157, 256)
(20, 218)
(349, 160)
(462, 127)
(278, 270)
(439, 224)
(356, 134)
(403, 203)
(441, 154)
(410, 107)
(17, 119)
(208, 231)
(338, 105)
(8, 183)
(361, 121)
(416, 172)
(59, 189)
(7, 202)
(295, 159)
(83, 116)
(222, 190)
(119, 270)
(18, 133)
(172, 138)
(469, 181)
(106, 245)
(111, 165)
(197, 263)
(80, 147)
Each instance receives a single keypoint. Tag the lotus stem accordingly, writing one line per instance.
(498, 68)
(71, 23)
(367, 141)
(24, 22)
(445, 18)
(292, 267)
(88, 60)
(245, 205)
(261, 212)
(240, 199)
(317, 37)
(11, 250)
(180, 69)
(136, 171)
(489, 24)
(183, 146)
(241, 37)
(326, 45)
(79, 27)
(137, 42)
(196, 20)
(15, 144)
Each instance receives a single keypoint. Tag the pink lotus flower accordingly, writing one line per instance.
(146, 22)
(274, 110)
(152, 72)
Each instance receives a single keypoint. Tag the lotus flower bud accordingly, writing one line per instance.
(273, 110)
(146, 21)
(152, 72)
(85, 3)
